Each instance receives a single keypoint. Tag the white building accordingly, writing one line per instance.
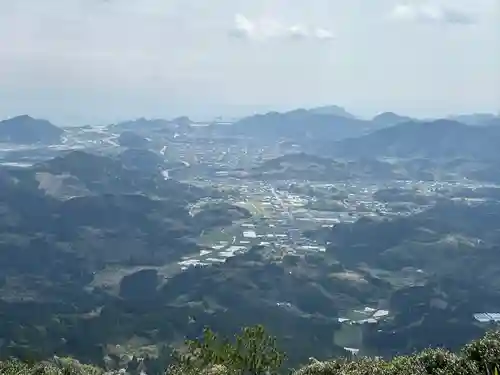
(249, 234)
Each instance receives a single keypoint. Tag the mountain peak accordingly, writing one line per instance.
(441, 138)
(21, 117)
(24, 129)
(333, 110)
(390, 118)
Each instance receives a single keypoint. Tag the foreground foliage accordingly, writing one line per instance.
(253, 352)
(57, 366)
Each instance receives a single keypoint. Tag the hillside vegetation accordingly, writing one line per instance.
(254, 352)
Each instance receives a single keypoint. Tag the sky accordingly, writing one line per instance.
(98, 61)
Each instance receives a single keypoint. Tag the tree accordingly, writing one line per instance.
(253, 352)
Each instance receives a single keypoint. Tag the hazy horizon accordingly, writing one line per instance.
(70, 121)
(98, 61)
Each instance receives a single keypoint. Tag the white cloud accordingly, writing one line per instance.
(268, 28)
(299, 31)
(324, 34)
(243, 27)
(159, 57)
(432, 13)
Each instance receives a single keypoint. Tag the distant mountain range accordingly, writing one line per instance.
(300, 124)
(333, 123)
(481, 119)
(317, 126)
(389, 119)
(323, 123)
(332, 110)
(436, 139)
(27, 130)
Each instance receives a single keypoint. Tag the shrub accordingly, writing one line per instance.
(57, 366)
(254, 352)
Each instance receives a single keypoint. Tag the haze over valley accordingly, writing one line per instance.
(359, 236)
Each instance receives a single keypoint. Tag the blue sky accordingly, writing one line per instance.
(77, 61)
